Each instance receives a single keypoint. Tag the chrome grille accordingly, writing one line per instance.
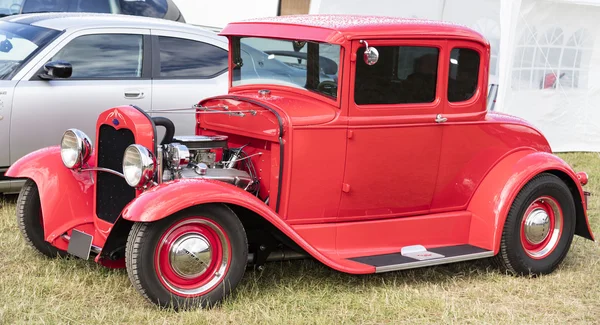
(112, 192)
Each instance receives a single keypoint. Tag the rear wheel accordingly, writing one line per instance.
(194, 258)
(539, 227)
(29, 219)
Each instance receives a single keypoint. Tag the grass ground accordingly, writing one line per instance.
(42, 291)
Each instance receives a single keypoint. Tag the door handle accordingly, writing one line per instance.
(133, 94)
(440, 119)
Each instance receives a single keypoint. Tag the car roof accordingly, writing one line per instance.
(337, 29)
(75, 20)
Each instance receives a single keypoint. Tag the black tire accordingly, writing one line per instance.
(29, 219)
(145, 244)
(513, 257)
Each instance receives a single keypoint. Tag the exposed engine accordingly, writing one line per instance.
(208, 157)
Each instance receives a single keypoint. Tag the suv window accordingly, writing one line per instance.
(102, 6)
(463, 74)
(182, 58)
(104, 56)
(403, 74)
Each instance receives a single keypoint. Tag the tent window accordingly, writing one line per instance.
(550, 59)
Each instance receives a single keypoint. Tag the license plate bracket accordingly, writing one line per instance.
(80, 244)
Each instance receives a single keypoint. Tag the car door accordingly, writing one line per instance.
(6, 93)
(110, 68)
(469, 145)
(393, 145)
(186, 68)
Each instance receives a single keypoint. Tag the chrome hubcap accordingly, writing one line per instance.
(537, 226)
(190, 255)
(541, 227)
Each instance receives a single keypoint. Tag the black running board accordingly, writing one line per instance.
(417, 256)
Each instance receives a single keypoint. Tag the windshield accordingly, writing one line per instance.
(301, 64)
(18, 43)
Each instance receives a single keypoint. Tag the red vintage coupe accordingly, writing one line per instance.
(362, 142)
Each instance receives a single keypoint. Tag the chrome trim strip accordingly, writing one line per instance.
(437, 261)
(101, 169)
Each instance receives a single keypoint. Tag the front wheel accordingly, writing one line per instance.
(539, 227)
(29, 219)
(194, 258)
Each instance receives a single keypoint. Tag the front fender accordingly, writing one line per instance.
(168, 198)
(66, 197)
(493, 198)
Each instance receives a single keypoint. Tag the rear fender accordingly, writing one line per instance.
(66, 196)
(169, 198)
(493, 198)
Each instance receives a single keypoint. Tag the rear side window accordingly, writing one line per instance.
(182, 58)
(403, 74)
(463, 74)
(104, 56)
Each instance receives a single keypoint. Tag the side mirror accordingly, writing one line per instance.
(15, 8)
(57, 70)
(371, 55)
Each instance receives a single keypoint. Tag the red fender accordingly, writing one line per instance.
(66, 196)
(492, 200)
(168, 198)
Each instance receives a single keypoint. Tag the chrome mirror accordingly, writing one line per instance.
(371, 55)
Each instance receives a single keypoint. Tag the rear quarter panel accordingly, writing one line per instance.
(470, 149)
(494, 196)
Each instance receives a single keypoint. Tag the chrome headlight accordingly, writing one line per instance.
(75, 148)
(139, 165)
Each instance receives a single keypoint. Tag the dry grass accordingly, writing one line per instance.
(42, 291)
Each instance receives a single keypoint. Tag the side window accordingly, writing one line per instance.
(104, 56)
(403, 74)
(463, 74)
(181, 58)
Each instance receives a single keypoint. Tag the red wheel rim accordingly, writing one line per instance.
(192, 256)
(541, 227)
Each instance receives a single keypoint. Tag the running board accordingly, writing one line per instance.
(418, 256)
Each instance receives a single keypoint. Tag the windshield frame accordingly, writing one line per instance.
(235, 49)
(46, 36)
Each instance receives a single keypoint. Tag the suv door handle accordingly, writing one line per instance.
(133, 94)
(440, 119)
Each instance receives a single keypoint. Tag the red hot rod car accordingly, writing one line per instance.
(362, 142)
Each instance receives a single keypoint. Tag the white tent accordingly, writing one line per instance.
(552, 70)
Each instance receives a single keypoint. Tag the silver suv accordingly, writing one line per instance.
(60, 70)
